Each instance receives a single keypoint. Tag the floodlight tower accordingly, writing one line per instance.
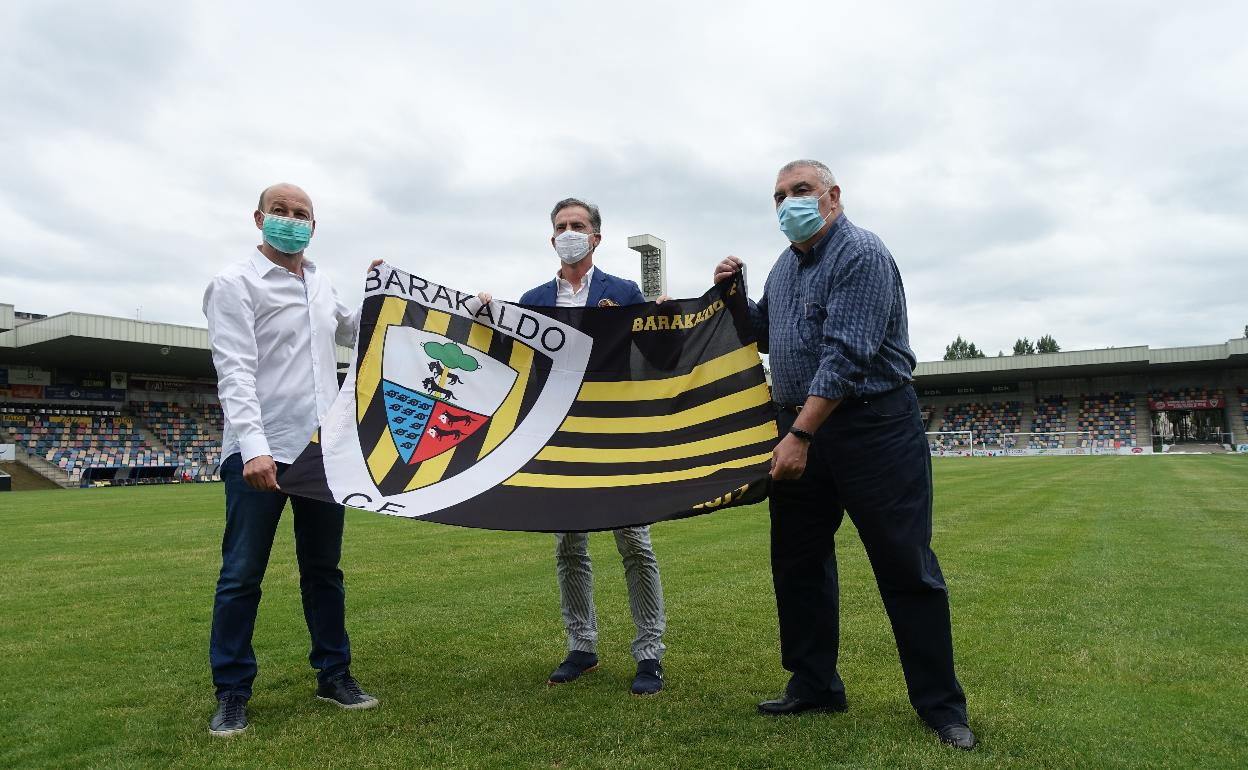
(653, 264)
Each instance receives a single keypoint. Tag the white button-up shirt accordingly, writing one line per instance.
(273, 338)
(565, 296)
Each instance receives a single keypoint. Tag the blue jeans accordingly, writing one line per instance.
(870, 460)
(251, 518)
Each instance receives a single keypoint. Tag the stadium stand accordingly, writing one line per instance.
(121, 396)
(194, 432)
(1111, 419)
(86, 443)
(1049, 417)
(987, 420)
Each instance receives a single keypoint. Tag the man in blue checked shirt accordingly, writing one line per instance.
(833, 319)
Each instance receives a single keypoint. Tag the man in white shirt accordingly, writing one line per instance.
(273, 322)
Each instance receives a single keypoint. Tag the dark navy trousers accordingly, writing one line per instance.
(251, 518)
(870, 460)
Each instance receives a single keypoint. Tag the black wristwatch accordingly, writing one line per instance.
(807, 437)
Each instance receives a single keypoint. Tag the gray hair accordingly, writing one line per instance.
(823, 172)
(595, 218)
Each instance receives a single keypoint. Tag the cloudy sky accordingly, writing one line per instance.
(1079, 169)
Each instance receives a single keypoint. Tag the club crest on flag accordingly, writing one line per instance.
(436, 393)
(443, 388)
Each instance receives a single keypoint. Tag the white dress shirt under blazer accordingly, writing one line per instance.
(273, 337)
(566, 296)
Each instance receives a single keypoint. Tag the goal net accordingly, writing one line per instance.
(950, 443)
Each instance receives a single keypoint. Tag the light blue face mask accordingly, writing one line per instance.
(800, 217)
(286, 234)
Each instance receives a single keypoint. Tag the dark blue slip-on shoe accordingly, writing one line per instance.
(573, 666)
(649, 679)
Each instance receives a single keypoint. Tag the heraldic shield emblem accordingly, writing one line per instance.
(444, 383)
(437, 394)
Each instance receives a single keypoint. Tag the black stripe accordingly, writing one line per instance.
(500, 347)
(459, 328)
(398, 477)
(589, 510)
(688, 399)
(466, 452)
(306, 476)
(414, 315)
(369, 311)
(373, 425)
(547, 467)
(539, 374)
(757, 415)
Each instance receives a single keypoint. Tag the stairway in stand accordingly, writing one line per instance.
(1074, 405)
(152, 439)
(35, 464)
(1143, 422)
(1235, 410)
(1026, 420)
(43, 468)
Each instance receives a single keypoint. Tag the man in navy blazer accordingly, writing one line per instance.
(605, 290)
(577, 233)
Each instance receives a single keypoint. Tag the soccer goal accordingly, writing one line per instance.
(950, 443)
(1054, 442)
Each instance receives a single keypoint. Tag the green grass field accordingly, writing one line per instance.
(1100, 611)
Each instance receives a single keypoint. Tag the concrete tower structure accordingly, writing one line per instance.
(653, 264)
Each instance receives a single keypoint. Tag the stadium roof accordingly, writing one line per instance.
(1083, 363)
(107, 343)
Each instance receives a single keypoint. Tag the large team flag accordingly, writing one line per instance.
(517, 417)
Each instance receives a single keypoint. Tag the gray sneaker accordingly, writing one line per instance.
(345, 692)
(231, 716)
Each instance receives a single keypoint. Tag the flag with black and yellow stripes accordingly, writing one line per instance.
(517, 417)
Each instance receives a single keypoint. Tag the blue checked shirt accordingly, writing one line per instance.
(834, 320)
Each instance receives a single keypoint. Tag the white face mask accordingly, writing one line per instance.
(571, 246)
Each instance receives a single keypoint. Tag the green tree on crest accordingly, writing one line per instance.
(451, 356)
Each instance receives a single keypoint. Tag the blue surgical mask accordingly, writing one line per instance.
(286, 234)
(800, 218)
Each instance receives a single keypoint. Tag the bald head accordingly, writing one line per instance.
(285, 191)
(286, 201)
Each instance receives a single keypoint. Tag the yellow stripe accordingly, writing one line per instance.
(725, 405)
(369, 376)
(746, 437)
(639, 479)
(480, 337)
(504, 420)
(431, 470)
(437, 322)
(648, 390)
(383, 457)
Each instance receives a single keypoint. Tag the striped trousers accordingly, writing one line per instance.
(645, 592)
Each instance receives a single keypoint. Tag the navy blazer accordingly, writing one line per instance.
(620, 291)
